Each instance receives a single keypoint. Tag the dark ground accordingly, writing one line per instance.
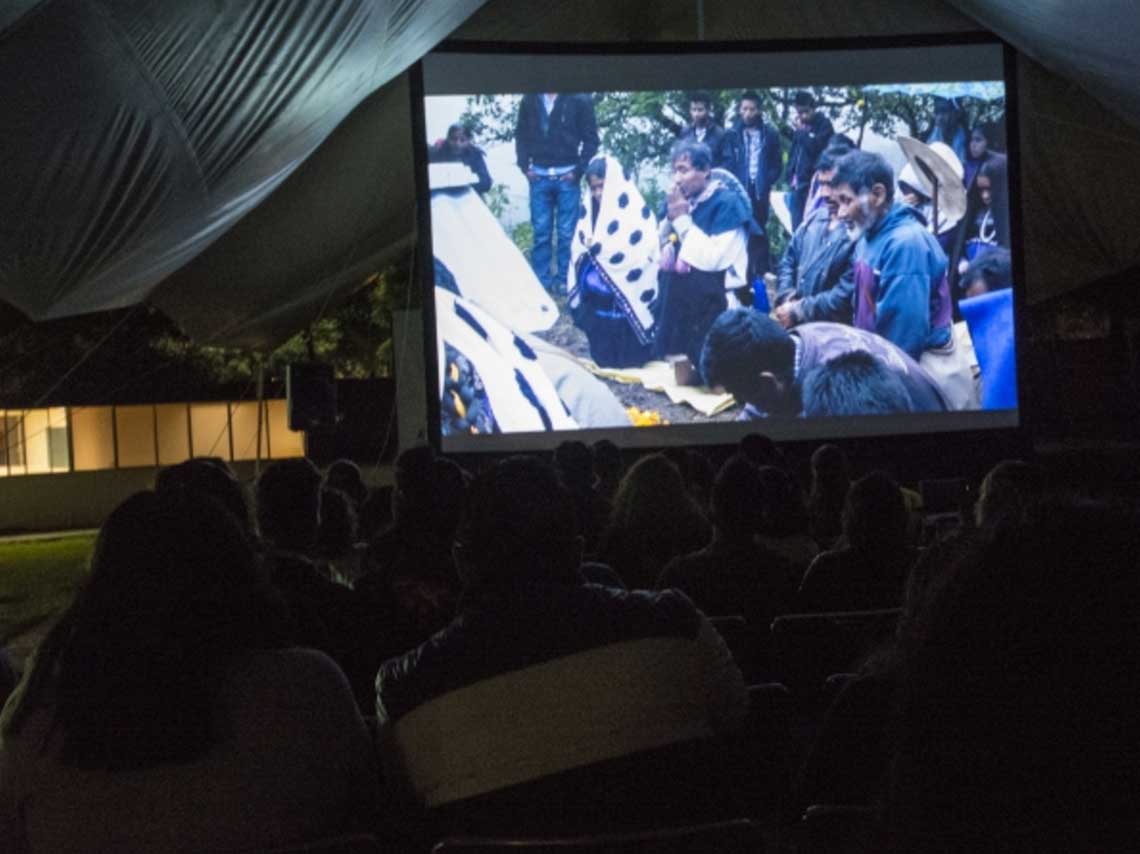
(569, 337)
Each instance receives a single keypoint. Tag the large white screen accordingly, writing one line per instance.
(880, 314)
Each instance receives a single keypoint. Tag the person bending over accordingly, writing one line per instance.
(764, 366)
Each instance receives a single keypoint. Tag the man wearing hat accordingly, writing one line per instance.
(932, 182)
(901, 289)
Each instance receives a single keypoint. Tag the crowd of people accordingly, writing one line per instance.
(533, 649)
(905, 269)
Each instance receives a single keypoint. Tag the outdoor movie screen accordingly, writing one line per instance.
(687, 247)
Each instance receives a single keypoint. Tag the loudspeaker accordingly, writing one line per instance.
(310, 393)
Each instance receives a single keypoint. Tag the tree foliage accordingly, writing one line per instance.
(639, 128)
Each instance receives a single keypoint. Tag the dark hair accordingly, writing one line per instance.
(784, 512)
(288, 504)
(701, 97)
(130, 672)
(345, 476)
(574, 462)
(830, 157)
(750, 95)
(737, 497)
(519, 523)
(413, 480)
(830, 480)
(653, 496)
(853, 383)
(337, 533)
(699, 154)
(375, 512)
(760, 450)
(804, 98)
(994, 266)
(459, 126)
(1008, 490)
(205, 477)
(743, 343)
(996, 168)
(861, 170)
(875, 517)
(596, 168)
(607, 458)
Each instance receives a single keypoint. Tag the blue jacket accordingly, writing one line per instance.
(771, 159)
(901, 289)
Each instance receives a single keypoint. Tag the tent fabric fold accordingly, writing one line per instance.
(135, 133)
(239, 164)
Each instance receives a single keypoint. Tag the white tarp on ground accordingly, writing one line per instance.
(521, 395)
(488, 268)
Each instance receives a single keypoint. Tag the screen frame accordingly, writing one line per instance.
(987, 423)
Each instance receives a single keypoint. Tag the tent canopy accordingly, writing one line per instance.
(239, 162)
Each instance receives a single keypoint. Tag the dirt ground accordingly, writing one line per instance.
(569, 337)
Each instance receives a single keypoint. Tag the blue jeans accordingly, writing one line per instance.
(550, 198)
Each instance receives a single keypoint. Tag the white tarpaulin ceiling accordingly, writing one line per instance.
(237, 162)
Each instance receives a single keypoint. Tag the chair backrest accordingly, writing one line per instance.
(807, 648)
(726, 837)
(747, 642)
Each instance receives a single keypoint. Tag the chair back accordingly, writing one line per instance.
(739, 836)
(807, 648)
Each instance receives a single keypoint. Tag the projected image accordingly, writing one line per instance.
(630, 259)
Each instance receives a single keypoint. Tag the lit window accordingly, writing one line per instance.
(173, 430)
(210, 430)
(283, 442)
(134, 432)
(92, 436)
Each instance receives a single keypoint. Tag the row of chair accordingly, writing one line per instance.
(802, 650)
(823, 829)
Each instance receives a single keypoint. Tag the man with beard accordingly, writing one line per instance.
(704, 250)
(752, 154)
(814, 278)
(901, 289)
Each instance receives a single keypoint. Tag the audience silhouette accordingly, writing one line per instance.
(198, 692)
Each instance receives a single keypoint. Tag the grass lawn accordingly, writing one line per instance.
(38, 579)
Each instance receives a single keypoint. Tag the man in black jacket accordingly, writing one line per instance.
(810, 134)
(752, 153)
(458, 148)
(555, 137)
(815, 277)
(705, 127)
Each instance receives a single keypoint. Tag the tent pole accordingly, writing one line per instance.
(260, 412)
